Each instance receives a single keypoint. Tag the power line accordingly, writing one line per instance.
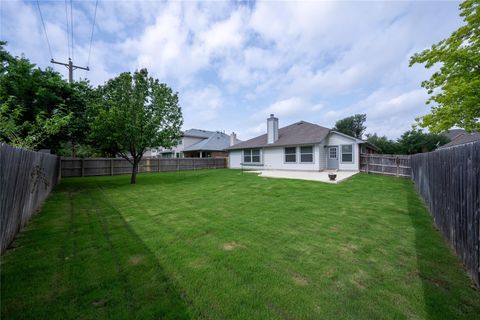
(91, 36)
(45, 30)
(68, 29)
(71, 27)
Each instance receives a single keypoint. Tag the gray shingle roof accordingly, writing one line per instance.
(466, 138)
(199, 133)
(218, 141)
(454, 133)
(298, 133)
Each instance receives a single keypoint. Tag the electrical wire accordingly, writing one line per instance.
(71, 27)
(91, 36)
(68, 28)
(45, 30)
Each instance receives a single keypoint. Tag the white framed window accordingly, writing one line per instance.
(347, 153)
(306, 154)
(291, 155)
(251, 155)
(332, 153)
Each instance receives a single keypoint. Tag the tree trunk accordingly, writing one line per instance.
(133, 179)
(74, 153)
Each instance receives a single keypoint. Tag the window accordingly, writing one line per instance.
(347, 153)
(306, 154)
(332, 153)
(251, 156)
(291, 155)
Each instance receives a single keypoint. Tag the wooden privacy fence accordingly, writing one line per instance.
(75, 167)
(449, 182)
(26, 179)
(394, 165)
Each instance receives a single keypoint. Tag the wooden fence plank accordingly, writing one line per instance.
(449, 182)
(74, 167)
(26, 179)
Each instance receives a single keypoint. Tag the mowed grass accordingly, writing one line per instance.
(222, 244)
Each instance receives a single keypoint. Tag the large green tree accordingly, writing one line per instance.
(416, 141)
(384, 145)
(352, 126)
(455, 88)
(33, 103)
(133, 112)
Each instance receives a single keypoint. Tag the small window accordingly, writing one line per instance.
(306, 154)
(251, 156)
(347, 153)
(291, 155)
(332, 153)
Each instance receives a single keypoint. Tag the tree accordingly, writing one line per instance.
(352, 126)
(32, 103)
(416, 141)
(455, 88)
(385, 145)
(133, 112)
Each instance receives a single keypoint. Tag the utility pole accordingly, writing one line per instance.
(70, 66)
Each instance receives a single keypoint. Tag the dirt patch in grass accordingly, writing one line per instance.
(229, 246)
(136, 260)
(299, 280)
(198, 263)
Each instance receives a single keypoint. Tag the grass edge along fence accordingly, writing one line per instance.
(26, 179)
(449, 182)
(84, 167)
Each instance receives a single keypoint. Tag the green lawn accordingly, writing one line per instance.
(222, 244)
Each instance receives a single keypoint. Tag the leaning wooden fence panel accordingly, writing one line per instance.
(26, 179)
(393, 165)
(75, 167)
(449, 182)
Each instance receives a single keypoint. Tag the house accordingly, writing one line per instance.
(462, 138)
(197, 143)
(299, 146)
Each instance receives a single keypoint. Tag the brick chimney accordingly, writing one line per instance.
(272, 129)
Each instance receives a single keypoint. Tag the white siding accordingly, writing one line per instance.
(274, 159)
(337, 140)
(235, 159)
(322, 157)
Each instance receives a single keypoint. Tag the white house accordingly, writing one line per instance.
(299, 146)
(197, 143)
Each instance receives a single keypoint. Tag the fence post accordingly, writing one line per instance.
(193, 163)
(83, 167)
(111, 167)
(158, 164)
(397, 161)
(368, 160)
(178, 164)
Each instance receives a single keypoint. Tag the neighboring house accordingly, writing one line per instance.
(462, 138)
(196, 143)
(454, 134)
(299, 146)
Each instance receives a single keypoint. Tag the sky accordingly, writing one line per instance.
(235, 63)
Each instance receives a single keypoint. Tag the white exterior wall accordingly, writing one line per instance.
(235, 159)
(337, 140)
(322, 157)
(274, 159)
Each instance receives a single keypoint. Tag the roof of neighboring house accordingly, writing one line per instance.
(199, 133)
(454, 133)
(218, 141)
(466, 138)
(298, 133)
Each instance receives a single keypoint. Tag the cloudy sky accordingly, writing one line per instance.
(234, 63)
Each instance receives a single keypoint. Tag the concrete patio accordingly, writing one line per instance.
(321, 176)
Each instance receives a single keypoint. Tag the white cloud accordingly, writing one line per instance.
(235, 63)
(201, 107)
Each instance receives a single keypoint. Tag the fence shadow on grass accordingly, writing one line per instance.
(447, 291)
(82, 259)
